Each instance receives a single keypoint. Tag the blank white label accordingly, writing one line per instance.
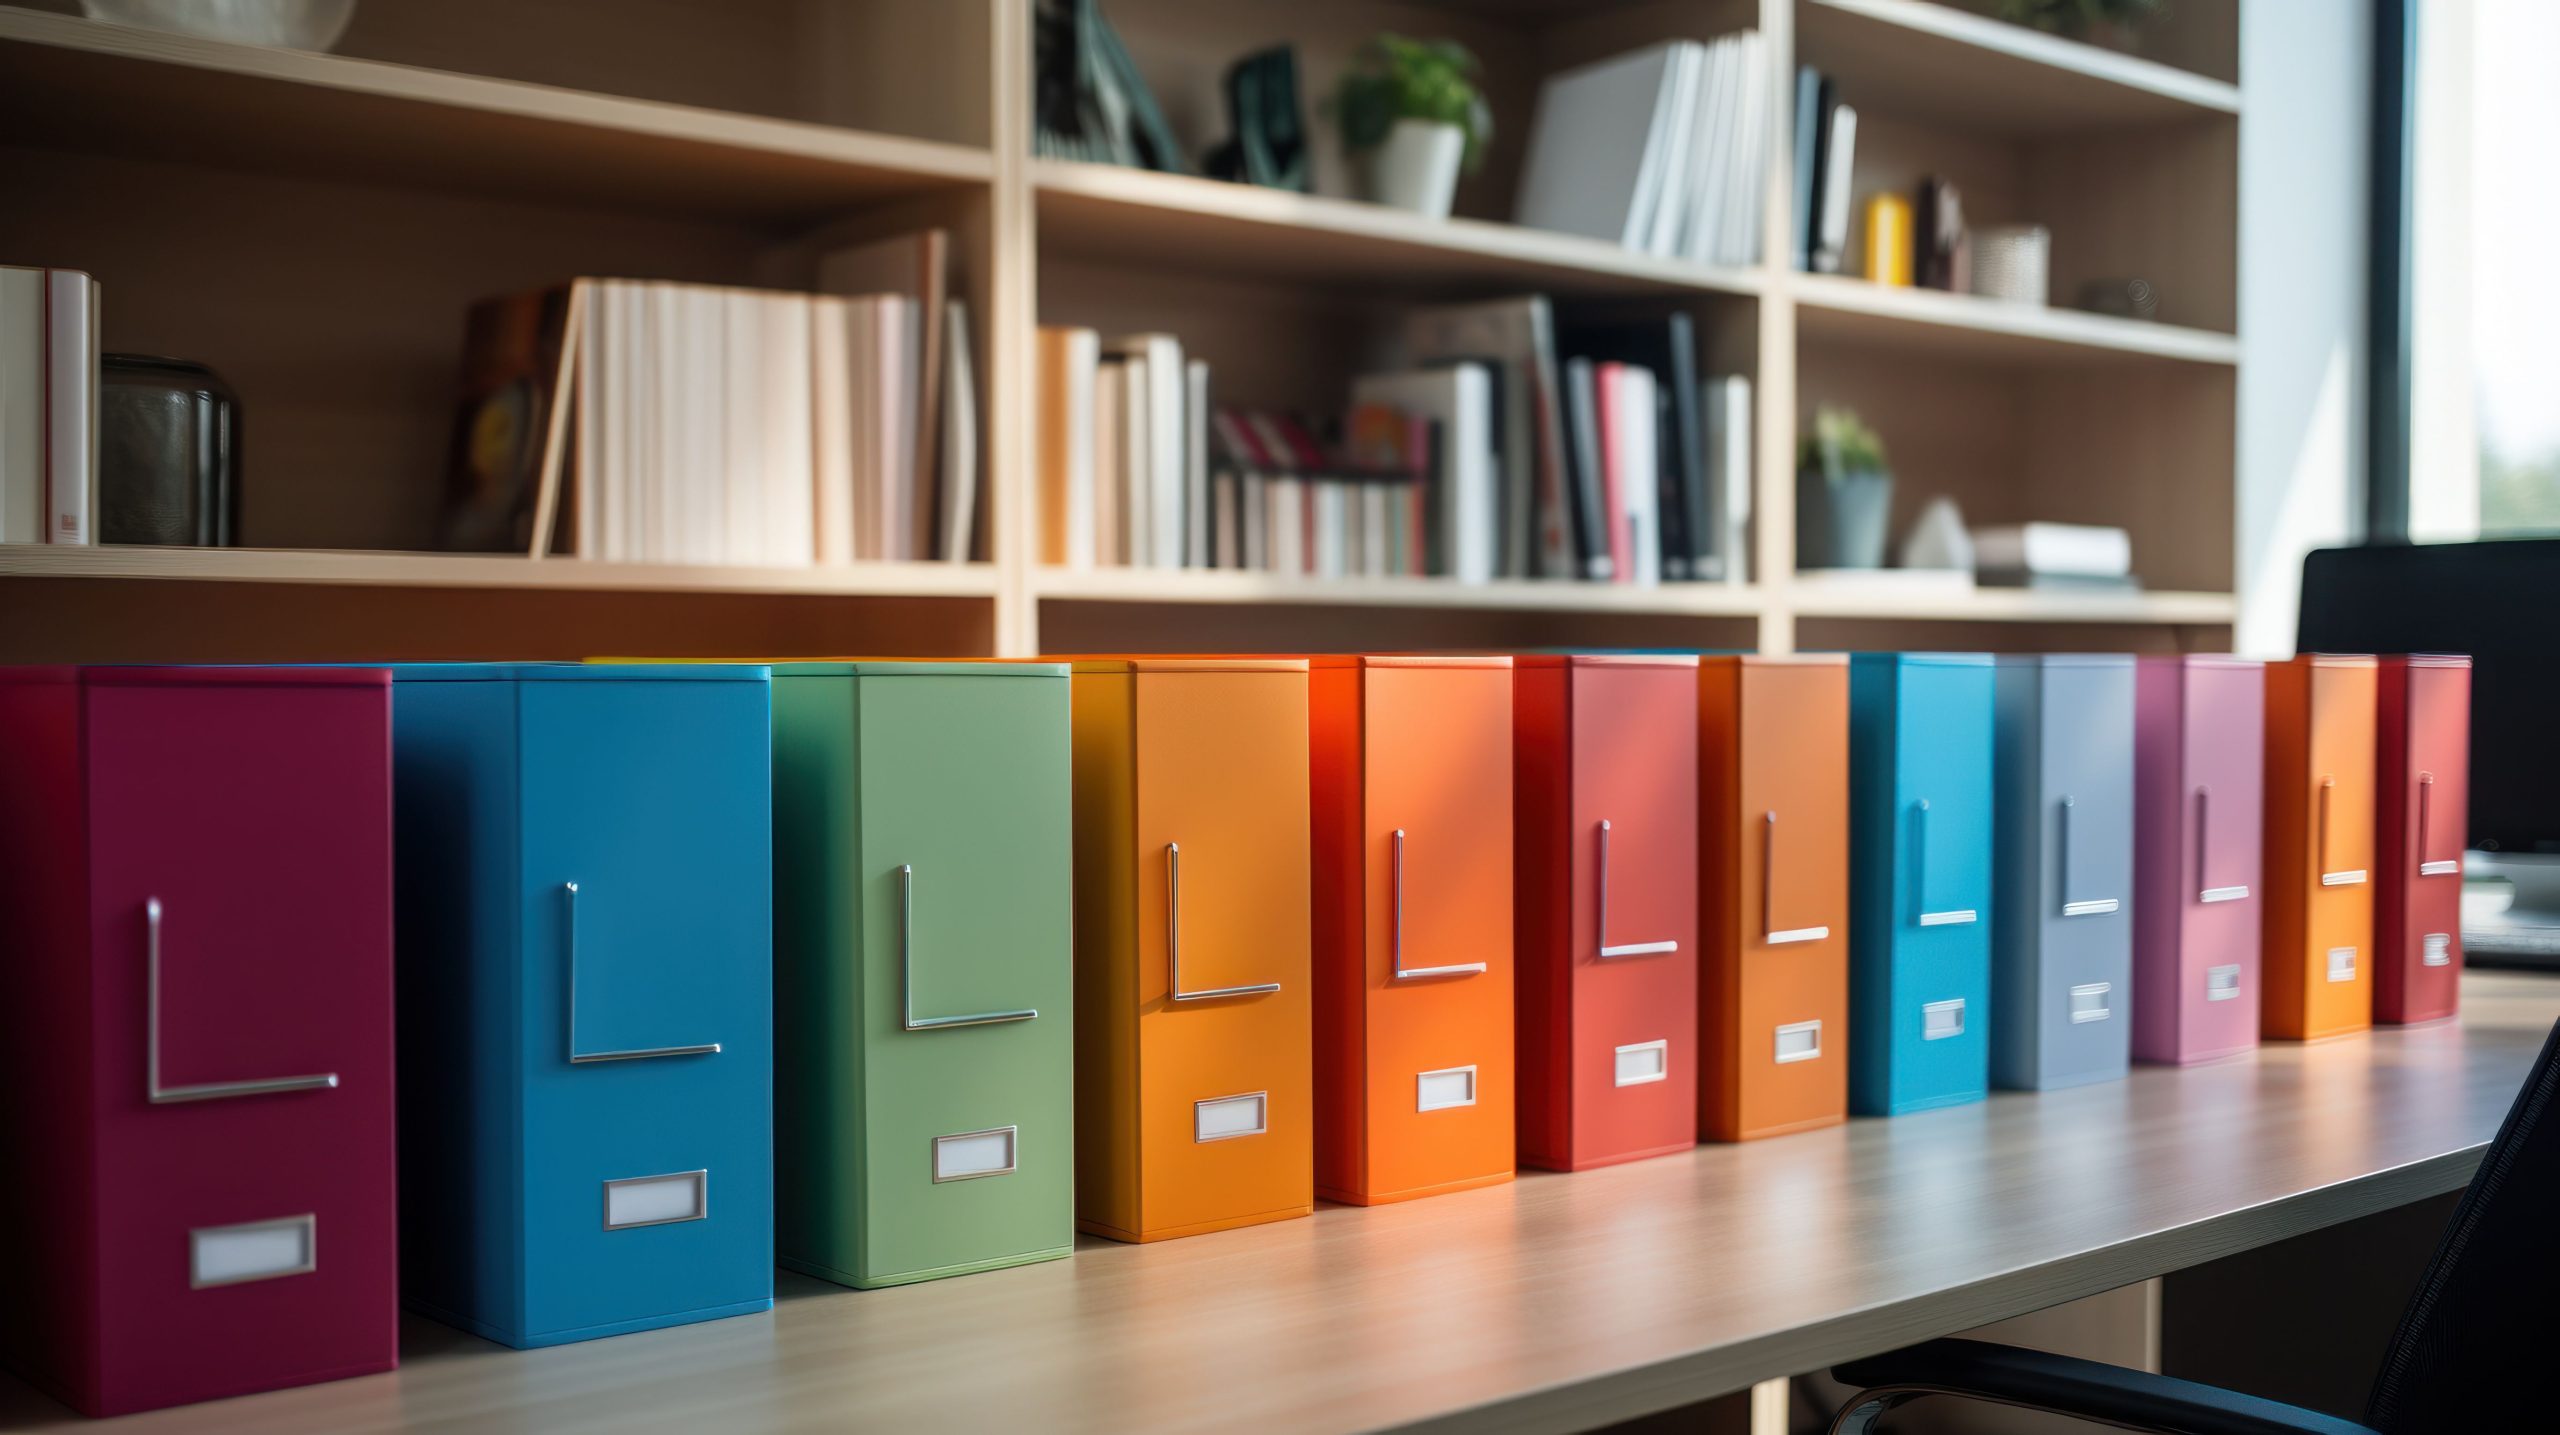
(2090, 1002)
(1646, 1061)
(1440, 1090)
(973, 1153)
(255, 1251)
(1940, 1020)
(656, 1200)
(2222, 984)
(2342, 964)
(1799, 1041)
(1228, 1116)
(2436, 949)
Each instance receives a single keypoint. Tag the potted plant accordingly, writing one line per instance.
(1844, 493)
(1412, 119)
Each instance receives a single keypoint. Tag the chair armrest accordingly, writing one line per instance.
(2063, 1385)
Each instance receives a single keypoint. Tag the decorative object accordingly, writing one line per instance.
(281, 24)
(1844, 493)
(168, 453)
(1945, 251)
(2124, 298)
(1411, 114)
(1937, 539)
(1888, 240)
(2009, 262)
(1269, 146)
(1088, 100)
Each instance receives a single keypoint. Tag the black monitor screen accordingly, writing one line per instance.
(2497, 601)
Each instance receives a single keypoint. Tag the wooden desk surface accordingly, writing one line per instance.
(1553, 1303)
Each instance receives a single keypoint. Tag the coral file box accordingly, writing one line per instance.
(2423, 798)
(586, 998)
(2318, 913)
(2199, 759)
(1773, 842)
(1194, 1108)
(195, 1031)
(1606, 799)
(924, 1036)
(1411, 766)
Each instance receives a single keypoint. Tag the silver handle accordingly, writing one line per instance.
(2088, 907)
(907, 969)
(2342, 877)
(2205, 890)
(1952, 916)
(569, 891)
(1770, 936)
(1623, 949)
(207, 1091)
(2445, 867)
(1173, 938)
(1395, 931)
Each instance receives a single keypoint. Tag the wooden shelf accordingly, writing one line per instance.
(74, 84)
(488, 570)
(1923, 60)
(1182, 586)
(1139, 217)
(1965, 326)
(1829, 599)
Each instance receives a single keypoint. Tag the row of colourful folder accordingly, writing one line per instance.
(894, 970)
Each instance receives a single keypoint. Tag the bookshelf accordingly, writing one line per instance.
(455, 149)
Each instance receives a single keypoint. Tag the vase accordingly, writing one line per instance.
(1840, 518)
(1417, 167)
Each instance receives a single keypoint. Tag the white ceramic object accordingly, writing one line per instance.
(1417, 168)
(281, 24)
(1938, 538)
(2009, 262)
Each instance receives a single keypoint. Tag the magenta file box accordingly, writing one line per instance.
(2198, 777)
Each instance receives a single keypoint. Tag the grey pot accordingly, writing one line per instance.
(1841, 518)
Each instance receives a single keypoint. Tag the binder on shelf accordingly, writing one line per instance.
(2423, 802)
(2062, 897)
(2318, 914)
(1194, 1101)
(1920, 834)
(195, 1031)
(2199, 758)
(49, 343)
(1410, 760)
(1773, 888)
(586, 996)
(1605, 832)
(924, 1042)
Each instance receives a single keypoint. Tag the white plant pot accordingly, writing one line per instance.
(1417, 168)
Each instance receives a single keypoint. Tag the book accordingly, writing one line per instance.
(830, 328)
(24, 499)
(1465, 527)
(1110, 462)
(1813, 102)
(71, 327)
(914, 266)
(1518, 335)
(2074, 550)
(1064, 438)
(504, 441)
(1589, 500)
(1599, 145)
(1831, 218)
(1667, 344)
(1195, 468)
(1726, 404)
(1161, 452)
(1631, 478)
(957, 453)
(1748, 172)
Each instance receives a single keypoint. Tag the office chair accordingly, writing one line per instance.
(2469, 1354)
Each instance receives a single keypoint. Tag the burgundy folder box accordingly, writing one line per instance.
(2422, 798)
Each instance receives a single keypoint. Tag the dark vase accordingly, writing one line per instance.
(168, 453)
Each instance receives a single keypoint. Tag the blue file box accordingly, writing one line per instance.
(584, 892)
(1920, 822)
(2062, 905)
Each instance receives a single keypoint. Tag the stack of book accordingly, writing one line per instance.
(1662, 150)
(1826, 135)
(1122, 440)
(48, 405)
(2069, 557)
(646, 422)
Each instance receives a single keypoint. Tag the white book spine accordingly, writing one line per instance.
(24, 502)
(1738, 478)
(1839, 159)
(1085, 359)
(1195, 488)
(71, 404)
(957, 455)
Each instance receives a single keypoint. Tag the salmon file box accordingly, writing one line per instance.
(195, 1031)
(1773, 889)
(586, 996)
(1920, 835)
(2199, 759)
(2423, 801)
(2318, 913)
(1411, 764)
(1605, 797)
(1194, 1103)
(924, 1042)
(2062, 897)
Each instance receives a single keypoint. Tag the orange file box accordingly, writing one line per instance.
(2318, 968)
(1194, 1102)
(1411, 760)
(1773, 886)
(1605, 837)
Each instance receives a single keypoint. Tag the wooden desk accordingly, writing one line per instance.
(1557, 1302)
